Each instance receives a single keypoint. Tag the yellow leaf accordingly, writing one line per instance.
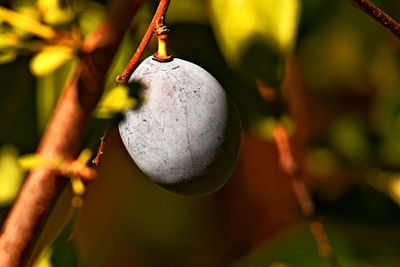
(394, 189)
(115, 101)
(11, 174)
(78, 187)
(32, 161)
(44, 259)
(8, 40)
(26, 23)
(85, 156)
(53, 13)
(49, 59)
(8, 56)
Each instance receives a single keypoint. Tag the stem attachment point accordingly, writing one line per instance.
(162, 53)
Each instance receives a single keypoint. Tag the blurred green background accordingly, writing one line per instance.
(340, 82)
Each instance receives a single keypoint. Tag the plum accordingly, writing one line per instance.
(185, 135)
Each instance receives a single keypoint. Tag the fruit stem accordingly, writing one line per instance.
(162, 34)
(159, 15)
(162, 46)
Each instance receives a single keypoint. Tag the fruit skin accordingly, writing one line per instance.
(185, 136)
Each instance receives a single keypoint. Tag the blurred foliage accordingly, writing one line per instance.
(115, 101)
(50, 59)
(44, 258)
(259, 43)
(296, 247)
(347, 70)
(10, 174)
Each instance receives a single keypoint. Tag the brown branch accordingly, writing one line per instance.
(158, 16)
(379, 15)
(303, 197)
(64, 134)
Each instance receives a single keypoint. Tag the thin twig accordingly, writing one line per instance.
(63, 136)
(159, 15)
(96, 161)
(379, 15)
(303, 197)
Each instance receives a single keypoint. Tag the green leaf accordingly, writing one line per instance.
(91, 17)
(297, 247)
(114, 102)
(65, 252)
(183, 11)
(48, 89)
(321, 162)
(11, 174)
(49, 59)
(257, 44)
(348, 136)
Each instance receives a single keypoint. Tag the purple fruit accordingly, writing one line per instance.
(185, 136)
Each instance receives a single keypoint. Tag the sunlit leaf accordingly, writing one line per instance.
(8, 46)
(115, 101)
(85, 155)
(254, 35)
(53, 13)
(8, 40)
(11, 174)
(44, 258)
(25, 7)
(28, 9)
(31, 161)
(7, 56)
(49, 59)
(394, 189)
(26, 23)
